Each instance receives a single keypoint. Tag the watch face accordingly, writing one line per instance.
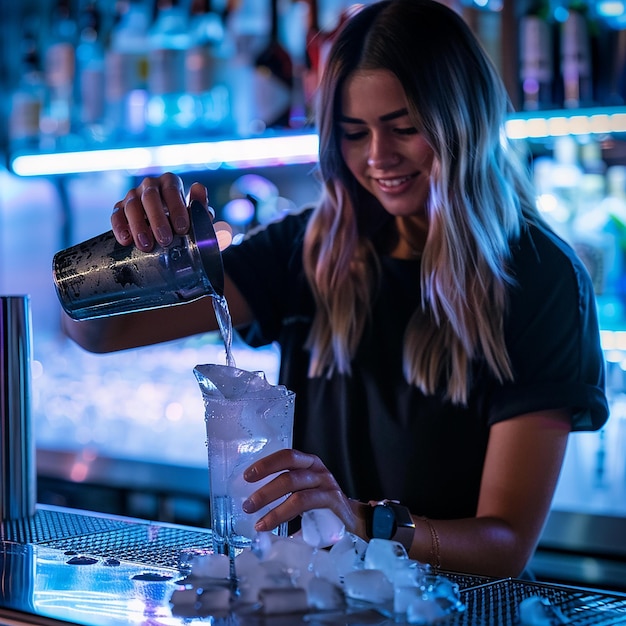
(383, 522)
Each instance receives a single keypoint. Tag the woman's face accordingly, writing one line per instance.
(387, 155)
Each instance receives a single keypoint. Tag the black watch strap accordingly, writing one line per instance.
(390, 520)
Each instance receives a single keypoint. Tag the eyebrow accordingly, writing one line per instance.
(383, 118)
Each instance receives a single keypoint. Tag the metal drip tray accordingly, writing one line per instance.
(498, 603)
(158, 545)
(163, 547)
(86, 568)
(50, 524)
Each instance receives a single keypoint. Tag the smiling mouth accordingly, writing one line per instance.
(390, 183)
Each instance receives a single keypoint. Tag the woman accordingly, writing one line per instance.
(441, 340)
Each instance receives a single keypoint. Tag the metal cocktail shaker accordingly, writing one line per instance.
(18, 490)
(100, 277)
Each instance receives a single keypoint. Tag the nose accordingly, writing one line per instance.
(381, 153)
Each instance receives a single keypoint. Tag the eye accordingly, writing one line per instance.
(407, 131)
(352, 135)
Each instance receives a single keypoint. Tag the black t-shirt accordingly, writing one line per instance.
(382, 437)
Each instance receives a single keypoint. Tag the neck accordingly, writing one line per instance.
(411, 239)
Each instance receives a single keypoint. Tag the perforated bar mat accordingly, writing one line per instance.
(497, 603)
(46, 525)
(488, 602)
(137, 542)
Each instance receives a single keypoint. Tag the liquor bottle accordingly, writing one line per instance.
(294, 33)
(536, 56)
(609, 60)
(59, 71)
(593, 240)
(576, 61)
(204, 69)
(314, 41)
(274, 74)
(557, 181)
(90, 72)
(169, 112)
(126, 71)
(614, 205)
(27, 100)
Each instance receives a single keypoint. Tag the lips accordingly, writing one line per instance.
(393, 183)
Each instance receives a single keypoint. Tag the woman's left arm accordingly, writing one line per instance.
(521, 470)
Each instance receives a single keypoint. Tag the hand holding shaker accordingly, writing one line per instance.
(100, 277)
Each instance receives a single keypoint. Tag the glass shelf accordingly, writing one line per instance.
(281, 147)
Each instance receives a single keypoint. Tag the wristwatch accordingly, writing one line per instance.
(390, 520)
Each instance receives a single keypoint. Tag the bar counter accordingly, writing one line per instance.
(72, 566)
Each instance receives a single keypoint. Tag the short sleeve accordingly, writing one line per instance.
(552, 336)
(266, 267)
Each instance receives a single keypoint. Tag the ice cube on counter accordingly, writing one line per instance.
(210, 566)
(537, 611)
(370, 585)
(280, 575)
(321, 528)
(423, 610)
(208, 599)
(324, 595)
(285, 600)
(347, 554)
(385, 556)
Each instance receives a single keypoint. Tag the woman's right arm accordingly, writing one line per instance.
(155, 210)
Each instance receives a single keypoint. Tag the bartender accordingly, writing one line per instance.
(441, 339)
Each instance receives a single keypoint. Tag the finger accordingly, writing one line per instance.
(287, 459)
(199, 192)
(119, 224)
(286, 483)
(301, 501)
(137, 222)
(162, 200)
(157, 214)
(173, 198)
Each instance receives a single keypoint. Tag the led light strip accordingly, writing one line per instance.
(578, 122)
(282, 149)
(236, 154)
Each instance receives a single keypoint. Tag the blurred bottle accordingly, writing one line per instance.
(567, 171)
(170, 111)
(557, 181)
(614, 205)
(59, 70)
(90, 76)
(609, 64)
(274, 77)
(27, 100)
(205, 61)
(557, 212)
(593, 238)
(294, 33)
(537, 58)
(576, 60)
(126, 71)
(313, 42)
(591, 159)
(248, 24)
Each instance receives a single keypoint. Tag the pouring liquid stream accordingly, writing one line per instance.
(225, 323)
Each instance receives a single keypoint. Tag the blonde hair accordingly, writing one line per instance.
(480, 198)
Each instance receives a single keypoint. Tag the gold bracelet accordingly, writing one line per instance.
(435, 547)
